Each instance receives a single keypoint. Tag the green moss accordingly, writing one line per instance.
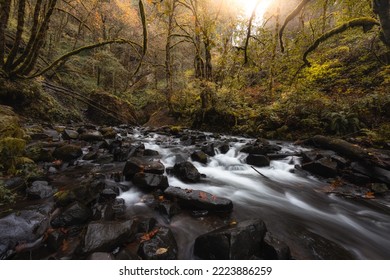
(11, 151)
(6, 195)
(9, 123)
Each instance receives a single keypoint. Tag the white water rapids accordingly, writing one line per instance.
(294, 206)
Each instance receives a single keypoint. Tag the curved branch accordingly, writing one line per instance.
(77, 51)
(289, 18)
(366, 23)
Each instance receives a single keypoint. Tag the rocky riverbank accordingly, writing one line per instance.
(72, 208)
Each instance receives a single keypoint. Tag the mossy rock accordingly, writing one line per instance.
(9, 123)
(68, 152)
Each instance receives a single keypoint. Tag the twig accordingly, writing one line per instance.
(259, 172)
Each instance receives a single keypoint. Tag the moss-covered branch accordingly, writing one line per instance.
(79, 50)
(366, 23)
(144, 27)
(289, 18)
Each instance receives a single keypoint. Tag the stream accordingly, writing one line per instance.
(294, 206)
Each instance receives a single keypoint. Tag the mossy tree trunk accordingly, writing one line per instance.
(172, 5)
(5, 8)
(382, 9)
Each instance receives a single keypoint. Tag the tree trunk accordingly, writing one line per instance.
(18, 36)
(382, 9)
(32, 58)
(5, 8)
(168, 56)
(208, 64)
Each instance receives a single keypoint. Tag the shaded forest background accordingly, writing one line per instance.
(205, 64)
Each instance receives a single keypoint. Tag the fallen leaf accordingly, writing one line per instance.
(161, 251)
(149, 235)
(369, 195)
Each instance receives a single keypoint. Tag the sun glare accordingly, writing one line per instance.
(249, 5)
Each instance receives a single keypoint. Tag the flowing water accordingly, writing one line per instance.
(293, 205)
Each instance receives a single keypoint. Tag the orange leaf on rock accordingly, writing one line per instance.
(149, 235)
(369, 195)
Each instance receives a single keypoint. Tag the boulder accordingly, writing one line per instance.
(24, 229)
(92, 136)
(224, 148)
(324, 167)
(168, 208)
(186, 172)
(209, 149)
(149, 181)
(39, 190)
(260, 148)
(199, 156)
(258, 160)
(151, 153)
(103, 236)
(274, 249)
(38, 153)
(75, 214)
(162, 246)
(108, 132)
(374, 172)
(195, 199)
(136, 165)
(68, 152)
(235, 242)
(70, 134)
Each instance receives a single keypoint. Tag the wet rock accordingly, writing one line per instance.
(260, 148)
(68, 152)
(186, 172)
(258, 160)
(147, 225)
(108, 132)
(324, 167)
(274, 249)
(168, 208)
(24, 229)
(75, 214)
(70, 134)
(39, 190)
(108, 194)
(235, 242)
(136, 165)
(355, 177)
(149, 181)
(224, 148)
(162, 246)
(92, 136)
(150, 153)
(373, 172)
(101, 256)
(103, 236)
(199, 156)
(209, 149)
(195, 199)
